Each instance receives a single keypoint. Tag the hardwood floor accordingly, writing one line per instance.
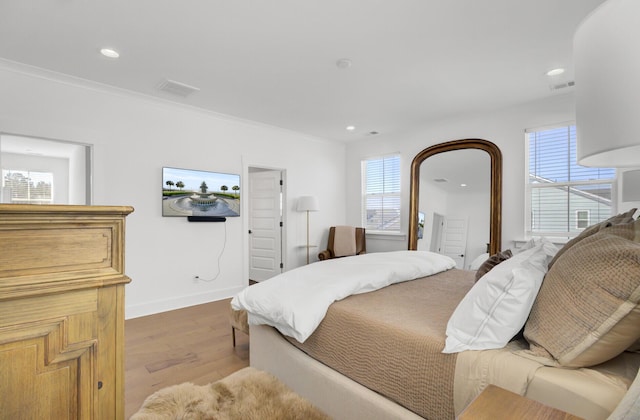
(186, 345)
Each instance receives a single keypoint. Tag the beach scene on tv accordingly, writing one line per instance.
(188, 192)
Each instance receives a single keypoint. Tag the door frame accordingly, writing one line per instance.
(245, 208)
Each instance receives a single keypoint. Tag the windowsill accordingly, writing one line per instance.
(386, 236)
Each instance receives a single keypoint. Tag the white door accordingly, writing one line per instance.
(454, 239)
(265, 230)
(436, 233)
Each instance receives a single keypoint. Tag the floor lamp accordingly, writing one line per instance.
(307, 203)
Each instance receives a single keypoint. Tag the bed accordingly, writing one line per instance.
(400, 350)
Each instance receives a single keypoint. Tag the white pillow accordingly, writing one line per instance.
(527, 245)
(477, 262)
(530, 244)
(498, 305)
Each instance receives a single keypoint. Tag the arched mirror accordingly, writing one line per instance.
(462, 175)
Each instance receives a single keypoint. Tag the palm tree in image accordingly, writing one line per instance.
(236, 189)
(224, 188)
(170, 184)
(180, 185)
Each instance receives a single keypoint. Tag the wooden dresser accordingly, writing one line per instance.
(62, 312)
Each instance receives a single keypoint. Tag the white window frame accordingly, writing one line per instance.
(579, 219)
(532, 213)
(528, 187)
(394, 195)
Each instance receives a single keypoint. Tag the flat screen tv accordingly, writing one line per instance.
(190, 192)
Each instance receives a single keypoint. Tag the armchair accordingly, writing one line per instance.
(344, 241)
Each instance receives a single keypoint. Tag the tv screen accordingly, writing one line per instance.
(189, 192)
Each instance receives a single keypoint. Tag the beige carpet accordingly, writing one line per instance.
(246, 394)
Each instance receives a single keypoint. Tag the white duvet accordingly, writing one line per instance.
(296, 301)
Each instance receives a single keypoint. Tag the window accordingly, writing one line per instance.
(563, 197)
(24, 187)
(582, 219)
(381, 194)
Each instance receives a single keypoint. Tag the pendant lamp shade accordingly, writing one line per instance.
(607, 75)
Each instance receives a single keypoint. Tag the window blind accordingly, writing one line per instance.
(564, 197)
(381, 194)
(27, 187)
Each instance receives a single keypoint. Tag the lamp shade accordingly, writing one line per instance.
(607, 76)
(631, 185)
(307, 203)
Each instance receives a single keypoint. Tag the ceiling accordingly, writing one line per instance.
(458, 171)
(275, 62)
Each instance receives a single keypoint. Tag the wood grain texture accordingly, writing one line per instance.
(186, 345)
(498, 403)
(62, 312)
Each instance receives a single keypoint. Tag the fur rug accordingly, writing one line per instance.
(246, 394)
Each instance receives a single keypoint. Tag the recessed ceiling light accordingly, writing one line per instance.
(350, 127)
(463, 185)
(109, 52)
(555, 72)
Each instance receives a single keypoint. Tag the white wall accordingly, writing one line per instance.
(475, 207)
(431, 200)
(503, 127)
(133, 137)
(78, 163)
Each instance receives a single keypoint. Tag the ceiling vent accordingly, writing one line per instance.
(177, 88)
(562, 85)
(440, 180)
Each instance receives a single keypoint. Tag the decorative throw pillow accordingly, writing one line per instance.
(621, 218)
(491, 262)
(497, 306)
(587, 310)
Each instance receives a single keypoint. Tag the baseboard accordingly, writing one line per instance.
(158, 306)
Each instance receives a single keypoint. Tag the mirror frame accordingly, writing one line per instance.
(495, 223)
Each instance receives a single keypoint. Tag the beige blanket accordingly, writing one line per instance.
(344, 241)
(503, 367)
(391, 340)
